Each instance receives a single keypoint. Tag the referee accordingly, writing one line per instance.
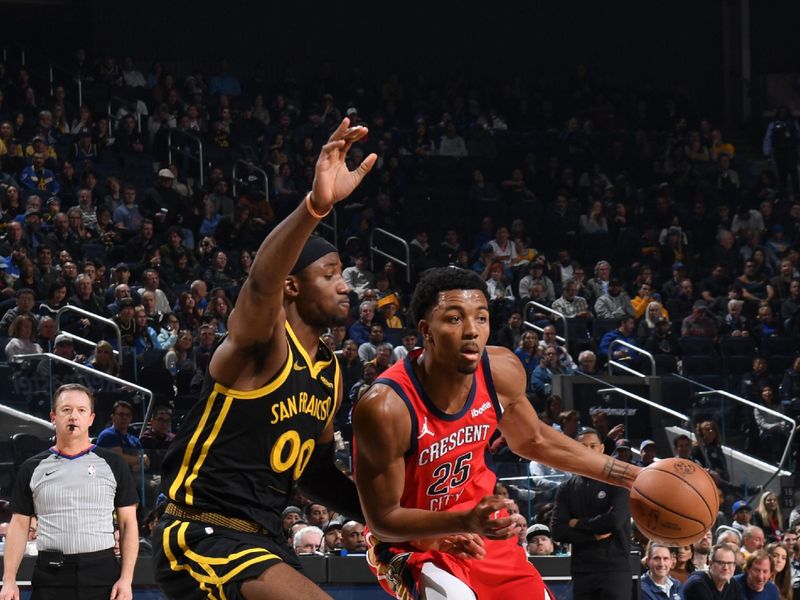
(73, 488)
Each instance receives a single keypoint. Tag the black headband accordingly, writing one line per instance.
(314, 249)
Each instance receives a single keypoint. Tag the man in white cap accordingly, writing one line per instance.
(540, 541)
(647, 453)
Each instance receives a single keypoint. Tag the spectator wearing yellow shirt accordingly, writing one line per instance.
(719, 147)
(389, 306)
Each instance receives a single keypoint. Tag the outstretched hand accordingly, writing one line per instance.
(333, 181)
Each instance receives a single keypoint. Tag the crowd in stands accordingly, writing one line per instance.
(627, 211)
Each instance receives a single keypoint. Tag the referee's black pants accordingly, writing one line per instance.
(87, 576)
(602, 586)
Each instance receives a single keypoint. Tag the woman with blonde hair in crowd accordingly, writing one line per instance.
(528, 352)
(779, 556)
(647, 324)
(768, 516)
(104, 359)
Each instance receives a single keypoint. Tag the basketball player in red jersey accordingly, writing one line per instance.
(421, 437)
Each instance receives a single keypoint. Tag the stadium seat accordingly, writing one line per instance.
(25, 445)
(730, 345)
(577, 329)
(778, 363)
(771, 346)
(700, 365)
(734, 367)
(665, 364)
(600, 327)
(696, 346)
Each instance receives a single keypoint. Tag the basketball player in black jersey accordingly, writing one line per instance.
(265, 416)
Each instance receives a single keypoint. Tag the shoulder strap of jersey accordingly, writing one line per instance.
(487, 378)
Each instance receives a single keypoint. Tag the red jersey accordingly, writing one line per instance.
(446, 465)
(449, 467)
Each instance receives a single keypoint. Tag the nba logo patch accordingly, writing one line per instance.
(92, 470)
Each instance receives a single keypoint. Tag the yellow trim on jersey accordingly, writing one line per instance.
(226, 407)
(205, 562)
(187, 455)
(313, 367)
(336, 377)
(263, 390)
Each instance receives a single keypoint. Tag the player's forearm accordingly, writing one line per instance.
(280, 250)
(555, 449)
(406, 524)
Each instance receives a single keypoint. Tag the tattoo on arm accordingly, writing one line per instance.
(615, 470)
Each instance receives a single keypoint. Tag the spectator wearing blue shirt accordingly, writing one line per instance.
(656, 583)
(359, 331)
(127, 215)
(624, 332)
(755, 581)
(527, 352)
(146, 338)
(38, 178)
(542, 378)
(224, 83)
(117, 439)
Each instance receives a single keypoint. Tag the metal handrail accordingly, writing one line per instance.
(762, 408)
(535, 327)
(111, 117)
(375, 250)
(94, 317)
(51, 66)
(614, 363)
(83, 340)
(98, 374)
(252, 167)
(331, 223)
(655, 405)
(194, 138)
(12, 412)
(21, 55)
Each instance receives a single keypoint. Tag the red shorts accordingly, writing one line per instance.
(504, 573)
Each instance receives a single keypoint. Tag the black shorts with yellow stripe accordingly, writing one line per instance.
(194, 560)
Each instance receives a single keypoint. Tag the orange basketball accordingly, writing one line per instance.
(674, 501)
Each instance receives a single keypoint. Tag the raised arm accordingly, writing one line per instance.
(259, 307)
(528, 437)
(382, 430)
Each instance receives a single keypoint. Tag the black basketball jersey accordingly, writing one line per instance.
(237, 453)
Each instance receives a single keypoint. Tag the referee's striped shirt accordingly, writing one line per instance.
(74, 498)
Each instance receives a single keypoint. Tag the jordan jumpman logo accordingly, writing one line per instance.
(425, 430)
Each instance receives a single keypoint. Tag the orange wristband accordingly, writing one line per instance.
(311, 210)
